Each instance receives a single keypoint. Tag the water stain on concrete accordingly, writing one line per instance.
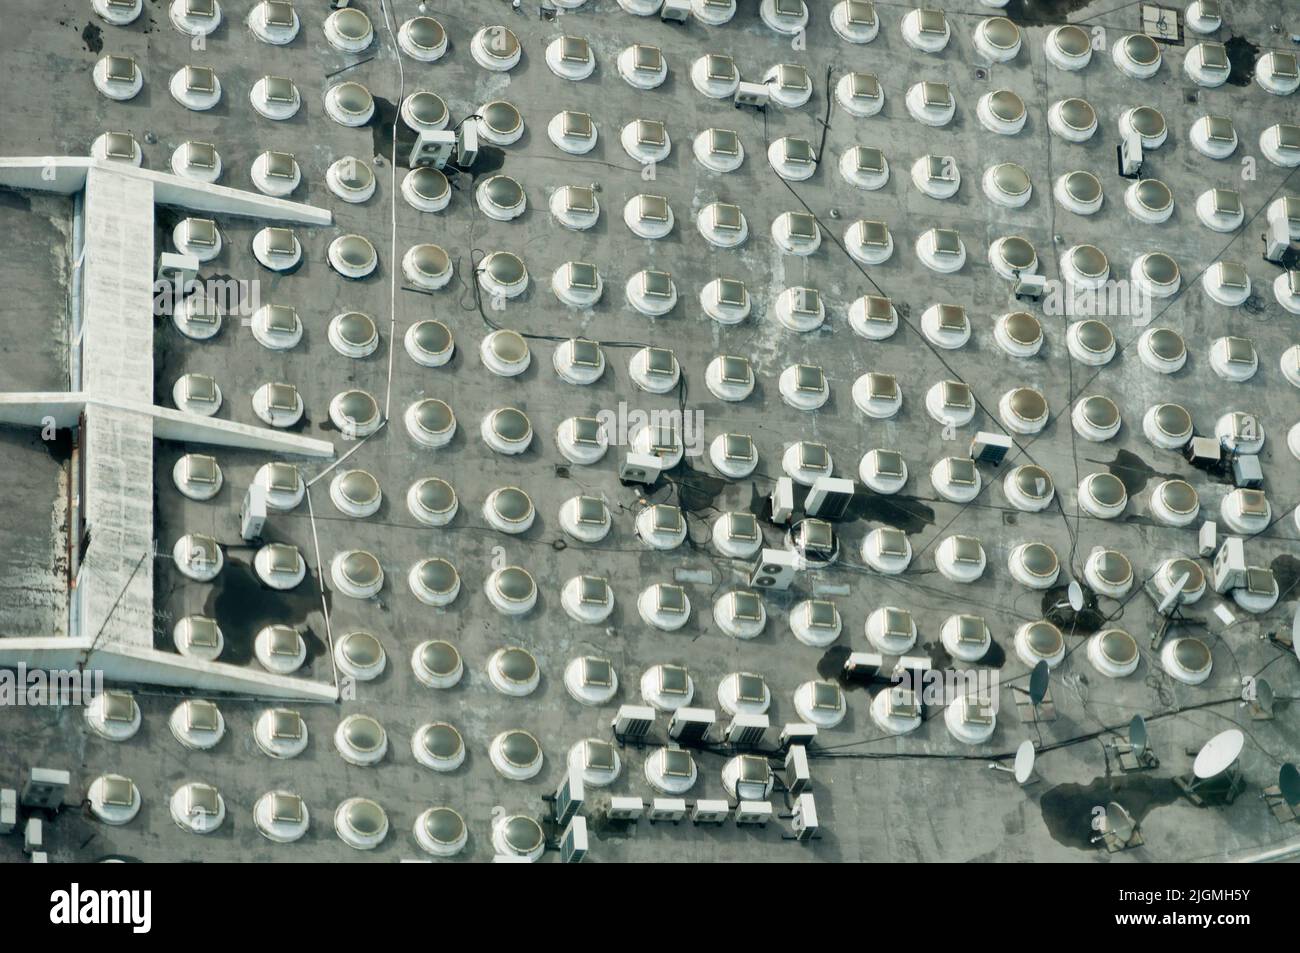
(1242, 55)
(1069, 809)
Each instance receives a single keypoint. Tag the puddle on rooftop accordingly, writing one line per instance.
(93, 37)
(1042, 12)
(899, 511)
(243, 606)
(1242, 55)
(1134, 472)
(1068, 809)
(1056, 609)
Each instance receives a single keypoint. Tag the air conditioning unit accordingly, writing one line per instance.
(667, 809)
(863, 666)
(8, 810)
(690, 726)
(625, 809)
(710, 812)
(804, 821)
(829, 498)
(797, 777)
(1208, 539)
(753, 813)
(573, 842)
(640, 468)
(177, 269)
(752, 94)
(252, 514)
(33, 835)
(1229, 565)
(748, 731)
(782, 498)
(675, 11)
(633, 722)
(774, 569)
(990, 448)
(911, 670)
(44, 789)
(1130, 156)
(1246, 471)
(1277, 240)
(798, 733)
(569, 797)
(467, 145)
(1030, 287)
(433, 148)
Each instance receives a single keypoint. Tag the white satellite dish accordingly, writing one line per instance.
(1218, 754)
(1175, 592)
(1025, 755)
(1075, 595)
(1120, 822)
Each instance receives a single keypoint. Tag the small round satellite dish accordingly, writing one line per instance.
(1264, 695)
(1038, 682)
(1175, 593)
(1218, 754)
(1075, 595)
(1024, 761)
(1288, 782)
(1137, 735)
(1119, 822)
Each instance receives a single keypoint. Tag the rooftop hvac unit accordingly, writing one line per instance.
(798, 733)
(633, 722)
(667, 809)
(33, 835)
(796, 776)
(690, 726)
(1203, 451)
(990, 448)
(625, 809)
(8, 810)
(804, 822)
(710, 812)
(252, 514)
(433, 148)
(1208, 539)
(1030, 287)
(569, 797)
(573, 842)
(829, 498)
(755, 813)
(774, 569)
(782, 500)
(467, 144)
(1230, 565)
(1246, 471)
(748, 731)
(1277, 240)
(863, 666)
(40, 857)
(640, 468)
(44, 789)
(177, 269)
(911, 667)
(1130, 156)
(752, 94)
(675, 11)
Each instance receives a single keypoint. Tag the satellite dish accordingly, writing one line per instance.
(1218, 754)
(1075, 595)
(1288, 782)
(1264, 696)
(1175, 593)
(1038, 682)
(1120, 822)
(1024, 761)
(1137, 735)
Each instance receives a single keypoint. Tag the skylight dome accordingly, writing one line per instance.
(718, 150)
(740, 614)
(820, 704)
(1291, 362)
(513, 671)
(804, 386)
(502, 275)
(1079, 191)
(353, 334)
(1137, 55)
(113, 715)
(715, 75)
(1240, 432)
(281, 817)
(1018, 333)
(931, 103)
(941, 250)
(355, 493)
(1168, 426)
(733, 455)
(1068, 47)
(788, 85)
(361, 740)
(654, 370)
(427, 266)
(280, 649)
(926, 30)
(946, 326)
(507, 430)
(349, 104)
(422, 39)
(887, 550)
(864, 167)
(1280, 144)
(878, 395)
(1246, 511)
(1090, 342)
(509, 510)
(1114, 653)
(997, 39)
(723, 225)
(590, 680)
(855, 21)
(195, 87)
(1096, 418)
(274, 22)
(361, 823)
(495, 48)
(114, 799)
(736, 535)
(195, 160)
(1214, 137)
(196, 807)
(725, 300)
(424, 111)
(1227, 283)
(1085, 266)
(579, 361)
(1109, 573)
(198, 557)
(1023, 410)
(748, 777)
(275, 97)
(427, 190)
(787, 17)
(1207, 64)
(883, 471)
(276, 173)
(796, 233)
(441, 832)
(1074, 120)
(575, 207)
(1034, 565)
(500, 123)
(891, 630)
(1175, 503)
(1162, 350)
(664, 606)
(729, 378)
(642, 66)
(956, 479)
(199, 237)
(277, 249)
(1234, 358)
(860, 94)
(1204, 16)
(283, 484)
(1188, 660)
(197, 476)
(572, 132)
(348, 30)
(501, 198)
(662, 440)
(1029, 487)
(1001, 111)
(197, 394)
(280, 733)
(519, 836)
(587, 599)
(118, 12)
(1220, 210)
(1007, 184)
(950, 402)
(1103, 495)
(197, 724)
(670, 770)
(1172, 570)
(195, 17)
(278, 404)
(596, 760)
(1278, 72)
(355, 413)
(511, 590)
(570, 57)
(280, 565)
(966, 637)
(1147, 122)
(792, 158)
(356, 573)
(1040, 642)
(652, 293)
(437, 664)
(361, 656)
(582, 440)
(1260, 593)
(1156, 274)
(516, 755)
(815, 622)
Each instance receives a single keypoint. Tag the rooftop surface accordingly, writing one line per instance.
(920, 796)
